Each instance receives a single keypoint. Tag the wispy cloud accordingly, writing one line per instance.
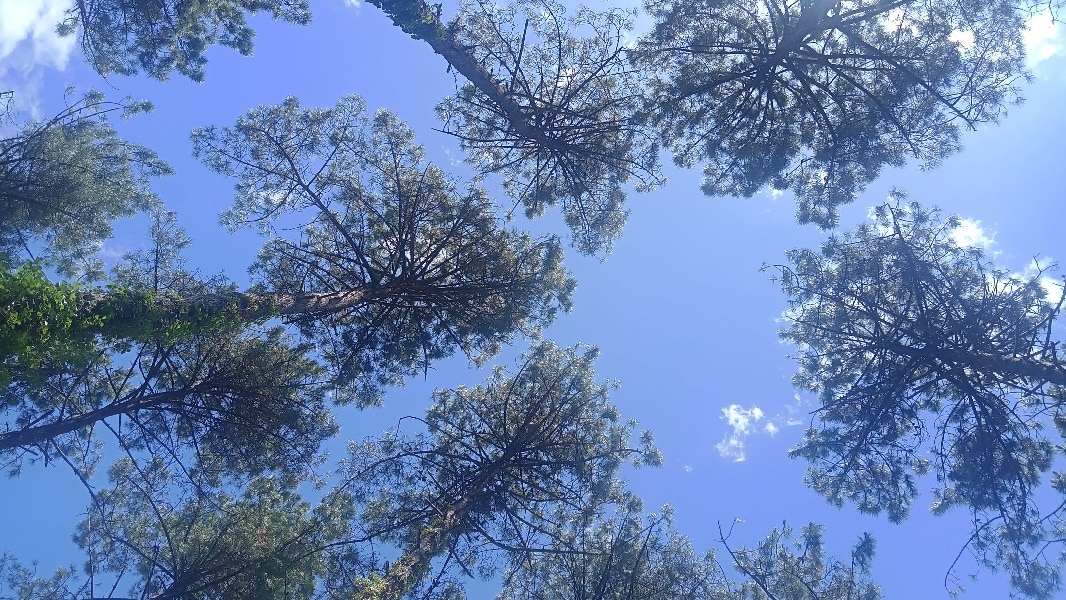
(34, 22)
(745, 422)
(740, 421)
(29, 43)
(1053, 288)
(969, 233)
(1042, 38)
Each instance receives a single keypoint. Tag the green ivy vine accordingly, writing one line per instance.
(44, 322)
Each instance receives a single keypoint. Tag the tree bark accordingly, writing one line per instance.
(413, 564)
(37, 436)
(1033, 369)
(420, 21)
(245, 306)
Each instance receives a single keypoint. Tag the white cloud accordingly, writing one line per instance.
(686, 469)
(112, 252)
(896, 19)
(964, 39)
(732, 447)
(740, 420)
(1052, 287)
(29, 43)
(792, 420)
(34, 22)
(1042, 38)
(970, 233)
(744, 422)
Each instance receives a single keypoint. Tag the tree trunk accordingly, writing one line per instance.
(244, 306)
(413, 564)
(141, 317)
(1032, 369)
(421, 21)
(39, 435)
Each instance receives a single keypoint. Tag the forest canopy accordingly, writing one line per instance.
(247, 435)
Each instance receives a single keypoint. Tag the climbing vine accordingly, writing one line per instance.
(37, 320)
(44, 322)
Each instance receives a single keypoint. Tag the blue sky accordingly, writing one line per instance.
(684, 318)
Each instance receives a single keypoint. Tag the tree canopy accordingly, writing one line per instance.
(784, 567)
(212, 401)
(500, 464)
(559, 123)
(925, 356)
(818, 96)
(163, 36)
(245, 394)
(519, 474)
(549, 104)
(63, 181)
(399, 268)
(177, 539)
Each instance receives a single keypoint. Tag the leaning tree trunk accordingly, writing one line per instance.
(421, 21)
(246, 307)
(432, 540)
(413, 564)
(41, 434)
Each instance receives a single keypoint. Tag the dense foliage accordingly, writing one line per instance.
(212, 402)
(818, 96)
(63, 181)
(559, 125)
(163, 36)
(406, 268)
(925, 356)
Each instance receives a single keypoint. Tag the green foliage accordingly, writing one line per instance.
(906, 338)
(781, 568)
(19, 582)
(174, 540)
(59, 323)
(371, 587)
(162, 36)
(817, 97)
(560, 122)
(925, 356)
(410, 269)
(500, 464)
(165, 352)
(416, 18)
(618, 557)
(243, 401)
(63, 181)
(36, 322)
(251, 401)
